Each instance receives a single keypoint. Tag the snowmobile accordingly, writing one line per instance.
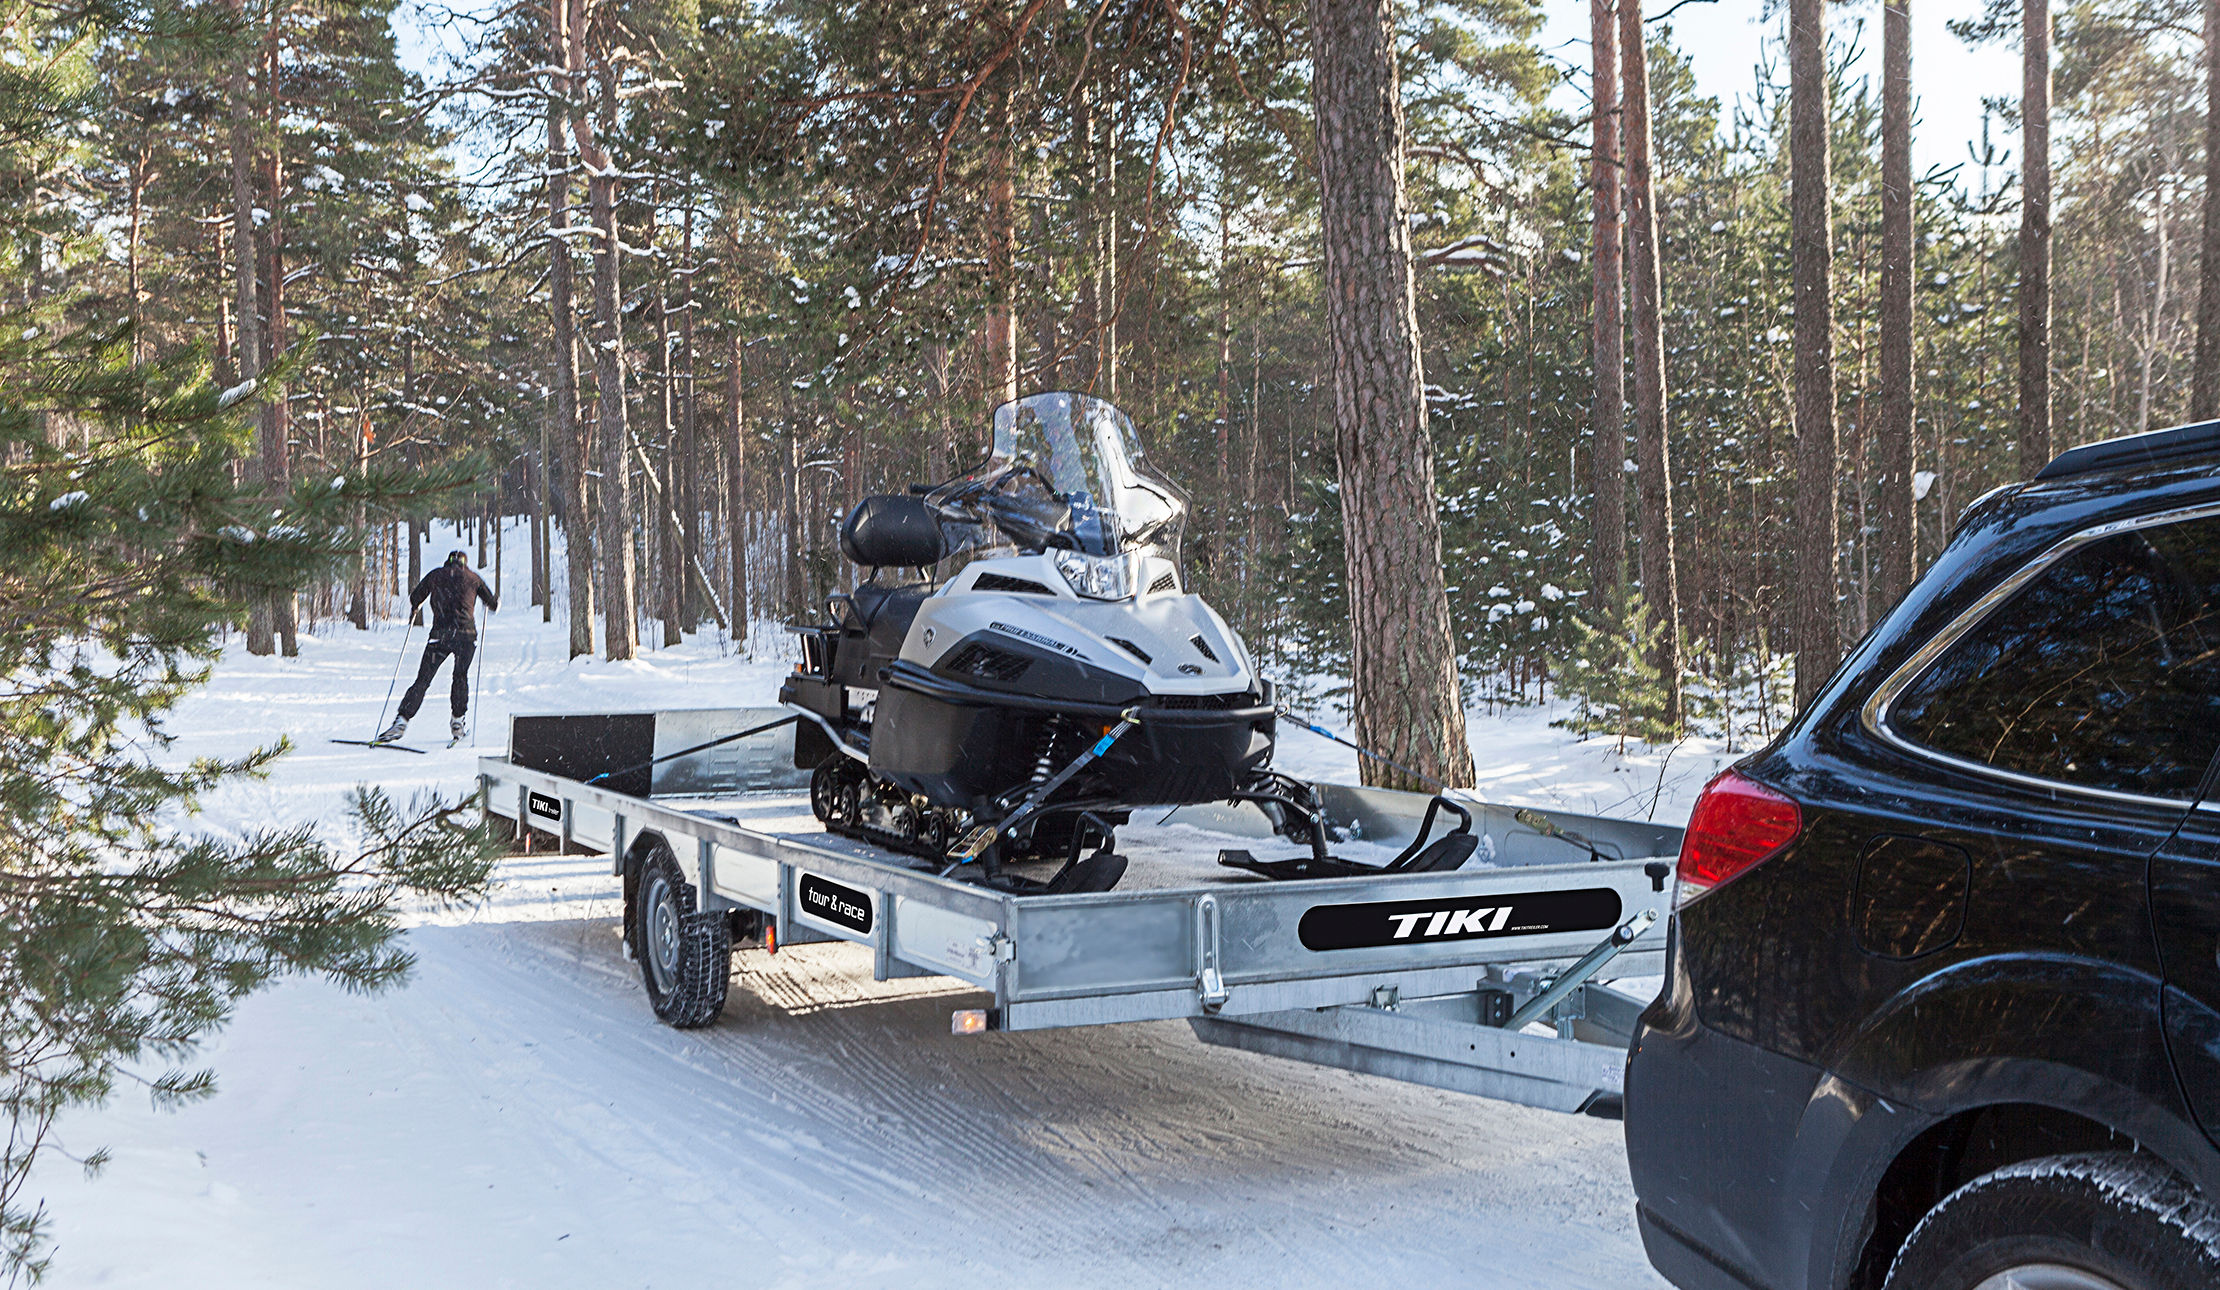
(1021, 667)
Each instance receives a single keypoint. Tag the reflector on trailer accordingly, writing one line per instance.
(968, 1021)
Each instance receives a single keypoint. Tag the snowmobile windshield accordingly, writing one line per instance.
(1066, 474)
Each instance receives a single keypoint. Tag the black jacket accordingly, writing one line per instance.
(452, 589)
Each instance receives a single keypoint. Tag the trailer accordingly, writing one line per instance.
(1493, 979)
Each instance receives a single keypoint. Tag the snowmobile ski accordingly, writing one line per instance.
(373, 743)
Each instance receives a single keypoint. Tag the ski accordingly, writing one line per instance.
(372, 743)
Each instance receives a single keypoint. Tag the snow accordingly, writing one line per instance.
(515, 1115)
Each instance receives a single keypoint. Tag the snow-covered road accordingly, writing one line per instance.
(515, 1116)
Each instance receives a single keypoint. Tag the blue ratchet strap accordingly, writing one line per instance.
(1363, 751)
(975, 845)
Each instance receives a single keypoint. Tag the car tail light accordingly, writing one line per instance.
(1737, 823)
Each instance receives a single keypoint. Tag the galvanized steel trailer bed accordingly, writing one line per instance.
(1409, 976)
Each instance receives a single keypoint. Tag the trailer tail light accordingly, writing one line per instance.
(1737, 824)
(968, 1021)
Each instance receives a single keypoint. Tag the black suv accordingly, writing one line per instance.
(1942, 1009)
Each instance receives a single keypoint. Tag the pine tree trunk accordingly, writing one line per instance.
(246, 252)
(1404, 676)
(1811, 231)
(418, 533)
(1105, 197)
(1899, 267)
(2204, 395)
(736, 486)
(619, 608)
(998, 364)
(1607, 414)
(1223, 529)
(2034, 294)
(358, 603)
(535, 508)
(791, 496)
(277, 414)
(671, 550)
(569, 431)
(689, 428)
(1653, 457)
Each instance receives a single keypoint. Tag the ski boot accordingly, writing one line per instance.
(399, 727)
(457, 731)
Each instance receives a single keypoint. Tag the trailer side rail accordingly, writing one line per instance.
(1218, 951)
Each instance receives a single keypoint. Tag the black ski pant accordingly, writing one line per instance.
(459, 648)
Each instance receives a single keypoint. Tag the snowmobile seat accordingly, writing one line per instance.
(890, 531)
(885, 611)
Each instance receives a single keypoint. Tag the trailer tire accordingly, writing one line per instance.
(684, 952)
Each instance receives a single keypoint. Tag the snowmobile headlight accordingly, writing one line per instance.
(1098, 577)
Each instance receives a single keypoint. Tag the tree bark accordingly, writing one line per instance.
(1811, 232)
(1608, 411)
(736, 485)
(277, 413)
(1404, 686)
(1105, 376)
(535, 507)
(1653, 453)
(1222, 529)
(619, 608)
(689, 436)
(998, 366)
(570, 429)
(1899, 269)
(246, 252)
(2204, 390)
(670, 582)
(2034, 320)
(792, 496)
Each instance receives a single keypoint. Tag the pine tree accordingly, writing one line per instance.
(1818, 514)
(1406, 698)
(127, 550)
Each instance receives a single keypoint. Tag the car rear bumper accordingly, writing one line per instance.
(1734, 1152)
(1680, 1260)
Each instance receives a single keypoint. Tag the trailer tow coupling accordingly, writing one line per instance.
(1577, 975)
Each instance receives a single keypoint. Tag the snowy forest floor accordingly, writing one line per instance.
(514, 1115)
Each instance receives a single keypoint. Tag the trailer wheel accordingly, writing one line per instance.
(685, 954)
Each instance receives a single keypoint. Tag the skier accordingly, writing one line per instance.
(454, 589)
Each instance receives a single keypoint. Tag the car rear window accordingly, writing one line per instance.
(2103, 671)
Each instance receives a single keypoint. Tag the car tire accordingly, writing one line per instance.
(685, 955)
(2093, 1221)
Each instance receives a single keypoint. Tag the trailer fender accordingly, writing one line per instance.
(644, 844)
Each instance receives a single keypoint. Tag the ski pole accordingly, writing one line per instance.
(407, 629)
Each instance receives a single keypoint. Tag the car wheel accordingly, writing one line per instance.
(2095, 1221)
(685, 955)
